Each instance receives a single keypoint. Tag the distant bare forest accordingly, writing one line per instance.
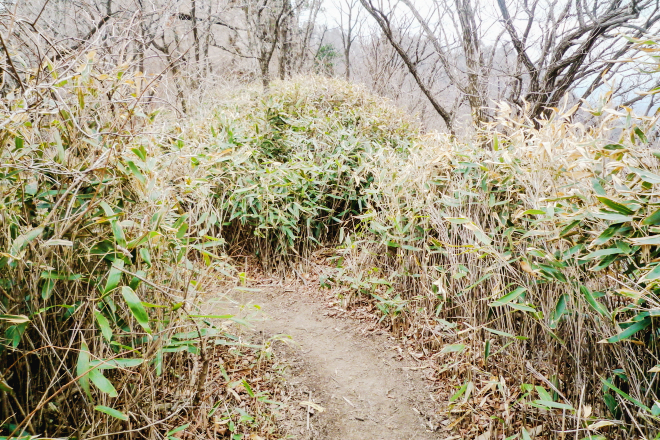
(449, 61)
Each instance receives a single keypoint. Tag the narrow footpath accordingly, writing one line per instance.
(365, 386)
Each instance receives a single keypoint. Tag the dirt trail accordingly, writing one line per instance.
(355, 376)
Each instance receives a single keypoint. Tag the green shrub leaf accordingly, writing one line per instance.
(618, 207)
(111, 412)
(23, 240)
(102, 383)
(628, 332)
(82, 369)
(591, 300)
(508, 297)
(136, 307)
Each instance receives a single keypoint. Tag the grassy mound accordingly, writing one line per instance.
(534, 266)
(290, 170)
(536, 261)
(104, 258)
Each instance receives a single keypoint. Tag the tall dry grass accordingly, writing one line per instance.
(105, 256)
(536, 261)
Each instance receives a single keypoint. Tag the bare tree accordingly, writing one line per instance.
(350, 22)
(534, 51)
(385, 23)
(577, 42)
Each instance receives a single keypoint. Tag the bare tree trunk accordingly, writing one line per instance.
(285, 38)
(195, 31)
(348, 30)
(305, 42)
(384, 24)
(473, 61)
(265, 72)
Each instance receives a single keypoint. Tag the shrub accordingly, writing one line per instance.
(539, 257)
(102, 266)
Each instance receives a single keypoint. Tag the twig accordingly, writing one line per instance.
(309, 409)
(11, 64)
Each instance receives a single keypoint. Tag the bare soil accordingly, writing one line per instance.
(367, 387)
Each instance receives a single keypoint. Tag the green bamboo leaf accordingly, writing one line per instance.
(655, 409)
(560, 309)
(23, 240)
(640, 134)
(137, 279)
(532, 212)
(136, 307)
(248, 388)
(114, 276)
(499, 333)
(508, 297)
(650, 240)
(543, 393)
(617, 218)
(111, 412)
(102, 383)
(109, 212)
(146, 257)
(140, 152)
(478, 233)
(15, 319)
(453, 348)
(104, 325)
(602, 253)
(618, 207)
(604, 262)
(652, 219)
(591, 300)
(611, 386)
(118, 233)
(181, 232)
(569, 227)
(459, 393)
(4, 386)
(82, 369)
(653, 274)
(628, 332)
(521, 307)
(605, 236)
(647, 176)
(136, 172)
(179, 429)
(47, 288)
(551, 404)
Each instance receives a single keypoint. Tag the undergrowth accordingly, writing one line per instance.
(104, 261)
(536, 261)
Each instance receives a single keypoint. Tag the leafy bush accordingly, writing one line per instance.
(537, 261)
(545, 247)
(540, 254)
(290, 169)
(102, 266)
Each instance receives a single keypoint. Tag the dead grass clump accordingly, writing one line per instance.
(537, 260)
(540, 256)
(104, 256)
